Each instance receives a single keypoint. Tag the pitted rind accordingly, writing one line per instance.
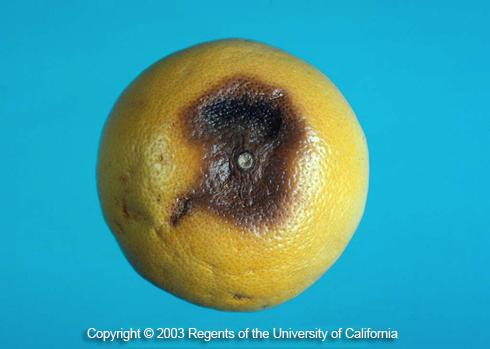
(240, 114)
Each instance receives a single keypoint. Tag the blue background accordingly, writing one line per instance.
(416, 73)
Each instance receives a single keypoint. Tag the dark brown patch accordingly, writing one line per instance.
(238, 115)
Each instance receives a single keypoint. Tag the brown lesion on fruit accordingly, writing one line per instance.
(123, 179)
(241, 297)
(249, 134)
(181, 207)
(125, 210)
(119, 227)
(129, 212)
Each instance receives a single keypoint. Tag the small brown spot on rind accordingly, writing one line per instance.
(241, 297)
(181, 207)
(242, 115)
(129, 212)
(125, 210)
(123, 179)
(119, 226)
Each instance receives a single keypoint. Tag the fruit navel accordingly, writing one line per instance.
(245, 160)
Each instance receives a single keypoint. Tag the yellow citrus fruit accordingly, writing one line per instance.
(232, 174)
